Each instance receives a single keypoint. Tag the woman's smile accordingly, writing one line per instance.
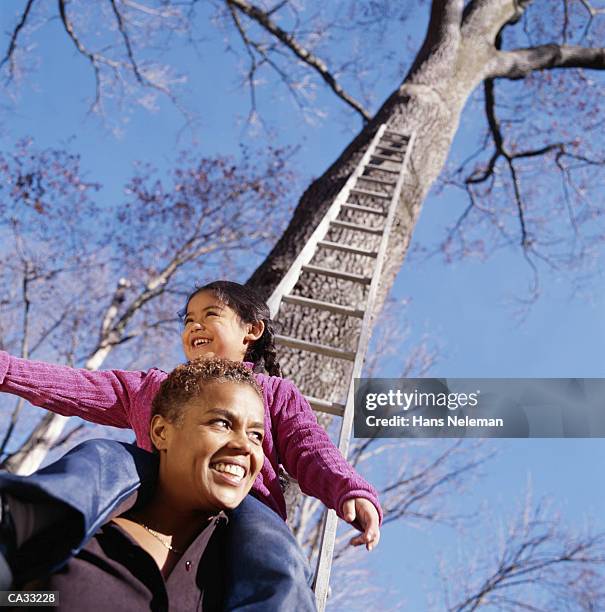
(230, 473)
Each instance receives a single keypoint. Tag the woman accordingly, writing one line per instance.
(165, 547)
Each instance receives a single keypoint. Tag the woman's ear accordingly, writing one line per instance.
(255, 331)
(159, 432)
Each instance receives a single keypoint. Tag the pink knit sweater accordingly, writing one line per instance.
(123, 399)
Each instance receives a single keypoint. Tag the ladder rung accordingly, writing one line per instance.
(339, 246)
(364, 209)
(381, 169)
(320, 405)
(299, 300)
(374, 194)
(313, 347)
(376, 180)
(357, 227)
(391, 149)
(386, 158)
(394, 133)
(349, 276)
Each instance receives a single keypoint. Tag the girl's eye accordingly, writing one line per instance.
(212, 314)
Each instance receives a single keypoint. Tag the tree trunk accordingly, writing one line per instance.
(453, 61)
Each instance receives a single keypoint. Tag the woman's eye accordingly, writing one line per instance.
(222, 423)
(257, 436)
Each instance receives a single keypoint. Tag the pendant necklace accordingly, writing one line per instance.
(157, 536)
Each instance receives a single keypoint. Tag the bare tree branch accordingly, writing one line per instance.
(69, 435)
(200, 214)
(97, 59)
(500, 151)
(518, 63)
(248, 45)
(126, 39)
(47, 331)
(12, 45)
(11, 426)
(592, 11)
(263, 19)
(538, 554)
(112, 310)
(92, 58)
(28, 276)
(42, 437)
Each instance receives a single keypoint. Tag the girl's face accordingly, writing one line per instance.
(212, 329)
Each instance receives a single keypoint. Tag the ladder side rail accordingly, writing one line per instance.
(366, 327)
(321, 583)
(324, 562)
(290, 278)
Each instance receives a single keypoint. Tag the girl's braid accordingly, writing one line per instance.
(263, 350)
(270, 352)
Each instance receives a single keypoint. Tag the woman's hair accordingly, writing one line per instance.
(250, 308)
(188, 381)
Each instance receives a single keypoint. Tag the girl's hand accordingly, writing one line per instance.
(367, 517)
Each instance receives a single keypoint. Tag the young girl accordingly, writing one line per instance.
(221, 319)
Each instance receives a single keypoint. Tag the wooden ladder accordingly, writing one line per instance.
(374, 189)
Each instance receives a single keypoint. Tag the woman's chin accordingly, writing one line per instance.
(226, 502)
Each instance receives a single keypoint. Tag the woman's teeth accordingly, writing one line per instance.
(200, 341)
(230, 468)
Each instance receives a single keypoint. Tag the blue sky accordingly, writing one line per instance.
(467, 307)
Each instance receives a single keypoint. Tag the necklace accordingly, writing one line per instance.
(157, 536)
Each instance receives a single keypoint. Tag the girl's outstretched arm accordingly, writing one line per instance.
(309, 455)
(107, 397)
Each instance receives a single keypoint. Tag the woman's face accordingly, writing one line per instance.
(210, 459)
(212, 329)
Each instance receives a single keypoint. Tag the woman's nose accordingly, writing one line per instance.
(241, 441)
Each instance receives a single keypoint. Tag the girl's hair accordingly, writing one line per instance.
(189, 381)
(250, 308)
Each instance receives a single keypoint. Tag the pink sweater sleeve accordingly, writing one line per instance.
(101, 397)
(309, 455)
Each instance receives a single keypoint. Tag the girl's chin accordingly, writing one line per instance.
(202, 355)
